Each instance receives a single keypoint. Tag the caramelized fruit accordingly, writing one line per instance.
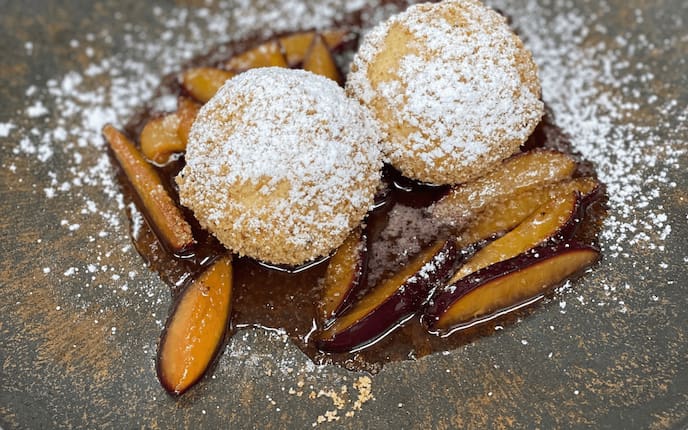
(555, 219)
(196, 327)
(359, 303)
(203, 82)
(319, 61)
(164, 136)
(162, 214)
(391, 302)
(296, 45)
(506, 213)
(483, 294)
(268, 54)
(520, 172)
(187, 109)
(160, 138)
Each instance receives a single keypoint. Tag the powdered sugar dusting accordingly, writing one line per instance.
(281, 165)
(587, 78)
(401, 239)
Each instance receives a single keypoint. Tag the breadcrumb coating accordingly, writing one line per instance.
(281, 165)
(453, 87)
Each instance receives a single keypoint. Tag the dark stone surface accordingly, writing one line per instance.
(62, 366)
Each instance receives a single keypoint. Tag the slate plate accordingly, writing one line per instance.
(80, 313)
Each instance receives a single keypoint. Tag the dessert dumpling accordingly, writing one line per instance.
(281, 165)
(453, 87)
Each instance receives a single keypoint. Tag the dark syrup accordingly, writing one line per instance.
(285, 298)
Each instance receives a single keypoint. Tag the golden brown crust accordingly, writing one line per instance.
(454, 89)
(281, 166)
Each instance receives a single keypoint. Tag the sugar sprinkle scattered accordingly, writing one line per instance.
(591, 87)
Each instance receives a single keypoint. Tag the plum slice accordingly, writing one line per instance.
(196, 328)
(268, 54)
(392, 301)
(344, 276)
(506, 213)
(159, 138)
(488, 292)
(203, 82)
(529, 169)
(296, 45)
(166, 135)
(555, 219)
(319, 60)
(162, 214)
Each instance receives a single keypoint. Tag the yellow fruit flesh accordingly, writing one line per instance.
(268, 54)
(319, 60)
(524, 171)
(506, 213)
(296, 45)
(196, 328)
(535, 229)
(342, 272)
(513, 289)
(381, 292)
(160, 138)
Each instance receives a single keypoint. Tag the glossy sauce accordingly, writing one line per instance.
(286, 299)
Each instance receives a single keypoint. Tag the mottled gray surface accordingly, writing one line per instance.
(62, 365)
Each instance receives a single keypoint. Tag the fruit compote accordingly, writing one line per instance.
(467, 242)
